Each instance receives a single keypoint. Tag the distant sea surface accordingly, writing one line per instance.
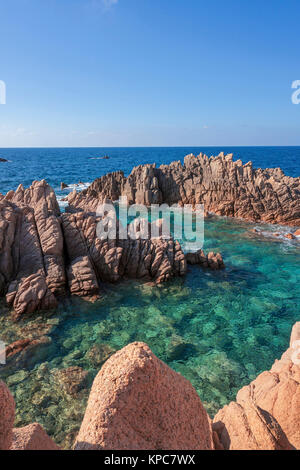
(72, 165)
(219, 329)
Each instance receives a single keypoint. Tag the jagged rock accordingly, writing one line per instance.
(7, 416)
(32, 437)
(31, 294)
(73, 379)
(224, 186)
(138, 402)
(249, 428)
(82, 278)
(63, 186)
(3, 160)
(266, 414)
(31, 248)
(297, 233)
(212, 260)
(111, 260)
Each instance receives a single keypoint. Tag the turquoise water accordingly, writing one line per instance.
(219, 329)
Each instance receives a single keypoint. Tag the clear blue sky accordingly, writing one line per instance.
(149, 72)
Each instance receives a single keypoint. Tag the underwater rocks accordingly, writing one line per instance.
(32, 437)
(266, 414)
(224, 186)
(138, 402)
(99, 353)
(72, 380)
(23, 353)
(7, 416)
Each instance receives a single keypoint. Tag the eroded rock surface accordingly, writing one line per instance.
(138, 402)
(266, 414)
(224, 186)
(32, 437)
(7, 416)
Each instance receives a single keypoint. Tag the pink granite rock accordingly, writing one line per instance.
(7, 416)
(32, 437)
(273, 397)
(224, 186)
(138, 402)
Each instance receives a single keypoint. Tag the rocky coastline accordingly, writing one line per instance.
(138, 402)
(225, 187)
(46, 254)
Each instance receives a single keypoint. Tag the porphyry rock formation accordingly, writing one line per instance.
(45, 254)
(266, 414)
(138, 402)
(7, 416)
(32, 437)
(212, 260)
(224, 186)
(31, 248)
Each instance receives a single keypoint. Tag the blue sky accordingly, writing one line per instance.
(149, 72)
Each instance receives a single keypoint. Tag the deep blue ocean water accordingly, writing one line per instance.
(72, 165)
(219, 329)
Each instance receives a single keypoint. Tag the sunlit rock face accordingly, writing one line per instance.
(138, 402)
(224, 186)
(266, 414)
(7, 416)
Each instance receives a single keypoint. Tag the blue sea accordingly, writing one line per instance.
(218, 329)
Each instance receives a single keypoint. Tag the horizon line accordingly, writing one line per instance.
(149, 146)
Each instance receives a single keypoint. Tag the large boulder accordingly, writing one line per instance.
(266, 414)
(7, 416)
(32, 437)
(138, 402)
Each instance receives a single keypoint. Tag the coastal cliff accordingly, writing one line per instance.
(138, 402)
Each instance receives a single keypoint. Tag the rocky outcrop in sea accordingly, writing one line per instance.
(138, 402)
(225, 187)
(45, 254)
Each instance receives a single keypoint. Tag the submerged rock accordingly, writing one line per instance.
(72, 380)
(138, 402)
(99, 353)
(22, 354)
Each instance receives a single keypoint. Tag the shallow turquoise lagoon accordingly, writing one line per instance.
(218, 329)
